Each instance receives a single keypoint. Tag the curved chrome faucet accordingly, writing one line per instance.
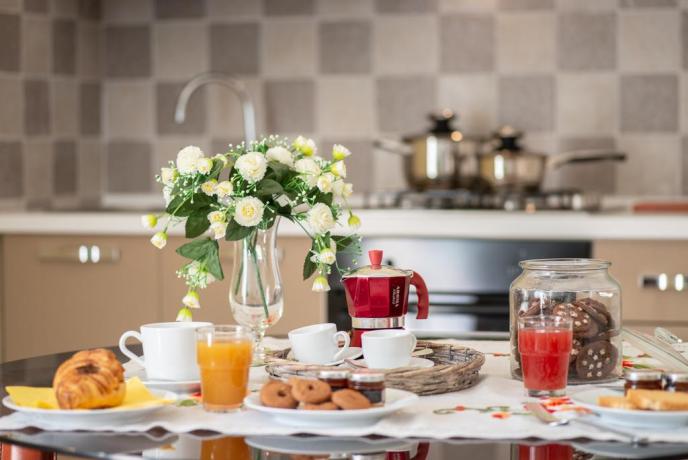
(236, 86)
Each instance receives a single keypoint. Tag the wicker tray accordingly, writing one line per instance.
(456, 368)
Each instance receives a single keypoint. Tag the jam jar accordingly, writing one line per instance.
(638, 379)
(370, 384)
(580, 289)
(337, 379)
(676, 381)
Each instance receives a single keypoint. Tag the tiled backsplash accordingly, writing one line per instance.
(89, 87)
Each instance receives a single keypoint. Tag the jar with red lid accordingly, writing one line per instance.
(336, 378)
(642, 379)
(676, 381)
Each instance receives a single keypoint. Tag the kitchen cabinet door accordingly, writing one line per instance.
(57, 299)
(647, 272)
(301, 305)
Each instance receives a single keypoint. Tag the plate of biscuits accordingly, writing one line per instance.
(312, 402)
(638, 408)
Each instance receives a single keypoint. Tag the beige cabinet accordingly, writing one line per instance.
(647, 271)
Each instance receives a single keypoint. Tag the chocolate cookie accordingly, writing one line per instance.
(596, 360)
(576, 346)
(595, 309)
(537, 307)
(582, 322)
(590, 332)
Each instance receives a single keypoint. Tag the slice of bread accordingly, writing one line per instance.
(658, 400)
(615, 402)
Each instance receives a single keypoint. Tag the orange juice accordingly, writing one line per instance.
(224, 366)
(228, 448)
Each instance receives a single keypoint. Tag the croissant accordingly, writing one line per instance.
(90, 379)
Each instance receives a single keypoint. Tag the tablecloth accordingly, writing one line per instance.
(493, 409)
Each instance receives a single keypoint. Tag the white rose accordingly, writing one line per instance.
(339, 152)
(204, 165)
(219, 229)
(309, 170)
(224, 188)
(168, 175)
(325, 182)
(320, 218)
(305, 146)
(191, 300)
(149, 221)
(187, 159)
(216, 216)
(281, 155)
(248, 211)
(338, 168)
(159, 240)
(342, 189)
(252, 166)
(209, 187)
(327, 256)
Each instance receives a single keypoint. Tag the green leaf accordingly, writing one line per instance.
(216, 170)
(344, 242)
(212, 262)
(309, 266)
(268, 187)
(279, 170)
(236, 232)
(325, 198)
(179, 206)
(197, 222)
(196, 249)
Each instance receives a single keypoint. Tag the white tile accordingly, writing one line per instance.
(346, 8)
(405, 45)
(652, 166)
(288, 48)
(649, 41)
(65, 102)
(473, 98)
(345, 106)
(121, 11)
(128, 110)
(466, 5)
(587, 104)
(389, 171)
(10, 6)
(539, 142)
(225, 117)
(587, 4)
(526, 42)
(180, 50)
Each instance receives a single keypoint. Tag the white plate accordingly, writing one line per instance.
(326, 446)
(351, 353)
(420, 363)
(89, 417)
(395, 400)
(627, 417)
(132, 369)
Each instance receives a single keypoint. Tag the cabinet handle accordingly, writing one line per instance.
(665, 282)
(80, 254)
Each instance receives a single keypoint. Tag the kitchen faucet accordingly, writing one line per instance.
(236, 86)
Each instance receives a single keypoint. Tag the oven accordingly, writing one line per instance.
(468, 280)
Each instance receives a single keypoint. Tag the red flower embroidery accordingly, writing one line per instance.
(501, 415)
(460, 408)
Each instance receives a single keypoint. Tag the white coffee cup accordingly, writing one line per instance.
(169, 350)
(388, 348)
(318, 343)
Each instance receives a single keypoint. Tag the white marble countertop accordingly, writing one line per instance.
(540, 225)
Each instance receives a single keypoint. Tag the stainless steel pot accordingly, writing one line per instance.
(508, 167)
(431, 160)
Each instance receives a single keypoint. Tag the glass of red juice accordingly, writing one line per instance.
(544, 343)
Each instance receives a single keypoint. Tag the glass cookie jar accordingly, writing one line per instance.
(583, 290)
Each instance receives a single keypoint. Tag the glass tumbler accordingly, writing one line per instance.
(224, 357)
(544, 343)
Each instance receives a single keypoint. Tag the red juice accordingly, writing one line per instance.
(545, 357)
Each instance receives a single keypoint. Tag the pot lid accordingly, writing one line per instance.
(376, 269)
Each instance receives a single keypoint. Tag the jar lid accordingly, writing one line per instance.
(333, 374)
(376, 269)
(363, 376)
(676, 377)
(565, 265)
(642, 375)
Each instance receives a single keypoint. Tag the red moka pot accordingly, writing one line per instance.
(377, 296)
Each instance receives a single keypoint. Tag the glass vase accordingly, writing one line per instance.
(255, 295)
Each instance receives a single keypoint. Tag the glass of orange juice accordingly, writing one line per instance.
(224, 357)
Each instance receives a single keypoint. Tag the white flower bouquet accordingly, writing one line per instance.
(232, 195)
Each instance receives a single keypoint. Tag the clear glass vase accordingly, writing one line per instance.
(255, 294)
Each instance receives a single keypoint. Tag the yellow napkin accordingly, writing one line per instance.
(137, 395)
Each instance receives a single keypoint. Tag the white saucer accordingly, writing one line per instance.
(350, 353)
(132, 369)
(420, 363)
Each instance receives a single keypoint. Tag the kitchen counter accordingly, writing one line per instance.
(541, 225)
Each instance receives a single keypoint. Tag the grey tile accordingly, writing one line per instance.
(234, 8)
(684, 38)
(38, 174)
(404, 102)
(345, 47)
(587, 41)
(170, 9)
(127, 11)
(11, 170)
(649, 103)
(10, 42)
(648, 3)
(65, 168)
(527, 102)
(64, 9)
(406, 45)
(527, 4)
(64, 94)
(467, 43)
(290, 106)
(166, 100)
(684, 169)
(89, 179)
(11, 107)
(599, 177)
(36, 6)
(90, 57)
(10, 5)
(64, 46)
(36, 44)
(90, 108)
(289, 7)
(127, 51)
(360, 165)
(129, 167)
(288, 48)
(90, 9)
(36, 107)
(234, 48)
(405, 6)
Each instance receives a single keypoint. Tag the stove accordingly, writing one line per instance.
(555, 200)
